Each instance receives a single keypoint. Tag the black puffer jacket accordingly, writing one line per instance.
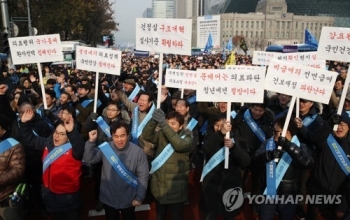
(289, 184)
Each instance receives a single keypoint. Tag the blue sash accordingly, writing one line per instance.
(271, 170)
(86, 103)
(252, 124)
(339, 155)
(56, 153)
(103, 125)
(168, 150)
(136, 129)
(48, 122)
(308, 120)
(134, 92)
(7, 144)
(192, 99)
(117, 165)
(190, 126)
(107, 95)
(215, 160)
(283, 164)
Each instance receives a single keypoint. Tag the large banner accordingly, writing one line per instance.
(176, 78)
(98, 60)
(205, 25)
(334, 44)
(36, 49)
(164, 35)
(300, 81)
(305, 58)
(235, 84)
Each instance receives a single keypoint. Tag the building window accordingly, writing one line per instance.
(277, 35)
(262, 24)
(296, 25)
(261, 34)
(246, 34)
(288, 24)
(256, 34)
(241, 33)
(282, 35)
(278, 24)
(287, 35)
(236, 33)
(302, 26)
(251, 34)
(247, 24)
(282, 24)
(257, 24)
(312, 25)
(230, 24)
(236, 24)
(252, 24)
(242, 24)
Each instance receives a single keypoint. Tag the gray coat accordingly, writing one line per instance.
(114, 191)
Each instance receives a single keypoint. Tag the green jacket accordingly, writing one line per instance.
(169, 184)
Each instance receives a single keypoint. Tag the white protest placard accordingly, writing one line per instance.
(183, 79)
(98, 60)
(300, 81)
(303, 58)
(262, 57)
(236, 84)
(36, 49)
(164, 35)
(334, 44)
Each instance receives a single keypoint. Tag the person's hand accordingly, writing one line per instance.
(228, 142)
(92, 135)
(69, 124)
(3, 89)
(136, 203)
(159, 116)
(273, 154)
(93, 116)
(298, 122)
(32, 78)
(27, 115)
(334, 120)
(284, 143)
(226, 127)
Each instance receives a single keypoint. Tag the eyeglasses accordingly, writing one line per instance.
(61, 134)
(343, 125)
(112, 109)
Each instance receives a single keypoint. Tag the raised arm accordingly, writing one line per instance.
(124, 99)
(26, 133)
(92, 154)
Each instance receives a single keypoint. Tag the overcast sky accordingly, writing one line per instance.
(126, 12)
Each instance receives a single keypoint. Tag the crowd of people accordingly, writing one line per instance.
(137, 152)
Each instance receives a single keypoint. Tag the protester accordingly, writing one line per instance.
(124, 175)
(169, 183)
(62, 154)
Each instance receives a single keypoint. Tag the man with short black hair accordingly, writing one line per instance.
(128, 170)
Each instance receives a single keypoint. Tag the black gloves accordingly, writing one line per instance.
(334, 120)
(51, 116)
(284, 143)
(273, 154)
(159, 116)
(93, 116)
